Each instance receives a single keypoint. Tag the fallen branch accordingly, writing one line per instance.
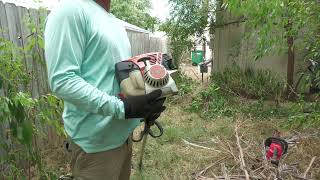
(309, 167)
(224, 171)
(298, 177)
(204, 178)
(211, 165)
(231, 177)
(242, 164)
(246, 163)
(199, 146)
(227, 149)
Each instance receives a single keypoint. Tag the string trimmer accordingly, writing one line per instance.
(144, 74)
(275, 148)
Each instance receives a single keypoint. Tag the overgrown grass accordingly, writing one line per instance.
(252, 94)
(212, 102)
(200, 115)
(185, 84)
(169, 157)
(250, 83)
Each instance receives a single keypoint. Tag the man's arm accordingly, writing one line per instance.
(65, 42)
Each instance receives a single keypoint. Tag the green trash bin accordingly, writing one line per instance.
(196, 57)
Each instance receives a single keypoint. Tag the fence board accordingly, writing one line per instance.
(15, 33)
(146, 43)
(134, 48)
(141, 42)
(23, 30)
(13, 24)
(42, 16)
(3, 22)
(25, 33)
(34, 16)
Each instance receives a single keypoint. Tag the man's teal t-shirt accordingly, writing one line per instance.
(83, 42)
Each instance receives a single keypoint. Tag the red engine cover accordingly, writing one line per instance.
(154, 58)
(275, 147)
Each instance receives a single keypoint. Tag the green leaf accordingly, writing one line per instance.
(1, 83)
(19, 113)
(25, 100)
(41, 43)
(27, 132)
(14, 128)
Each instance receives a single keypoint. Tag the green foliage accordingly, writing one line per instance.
(212, 102)
(308, 80)
(185, 84)
(299, 114)
(250, 94)
(35, 44)
(22, 112)
(250, 83)
(272, 22)
(187, 19)
(135, 12)
(262, 110)
(12, 72)
(216, 102)
(304, 114)
(26, 119)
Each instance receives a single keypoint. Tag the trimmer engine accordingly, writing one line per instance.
(141, 75)
(145, 73)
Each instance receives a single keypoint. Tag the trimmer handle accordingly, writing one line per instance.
(147, 131)
(160, 130)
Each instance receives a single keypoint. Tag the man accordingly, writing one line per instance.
(83, 42)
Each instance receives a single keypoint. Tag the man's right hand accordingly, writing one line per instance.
(143, 106)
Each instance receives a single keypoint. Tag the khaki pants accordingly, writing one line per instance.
(114, 164)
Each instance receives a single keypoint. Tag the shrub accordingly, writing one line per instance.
(251, 83)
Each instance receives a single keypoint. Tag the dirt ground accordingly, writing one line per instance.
(194, 72)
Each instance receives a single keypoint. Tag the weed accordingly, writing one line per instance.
(262, 109)
(24, 118)
(251, 83)
(212, 102)
(222, 98)
(304, 115)
(185, 84)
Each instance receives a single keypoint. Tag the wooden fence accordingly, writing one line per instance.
(15, 27)
(231, 47)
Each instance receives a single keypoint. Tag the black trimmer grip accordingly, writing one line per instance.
(160, 130)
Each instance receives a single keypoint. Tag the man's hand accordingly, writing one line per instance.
(145, 106)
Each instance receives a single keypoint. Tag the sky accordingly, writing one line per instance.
(160, 7)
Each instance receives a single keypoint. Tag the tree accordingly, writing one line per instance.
(136, 12)
(281, 25)
(188, 18)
